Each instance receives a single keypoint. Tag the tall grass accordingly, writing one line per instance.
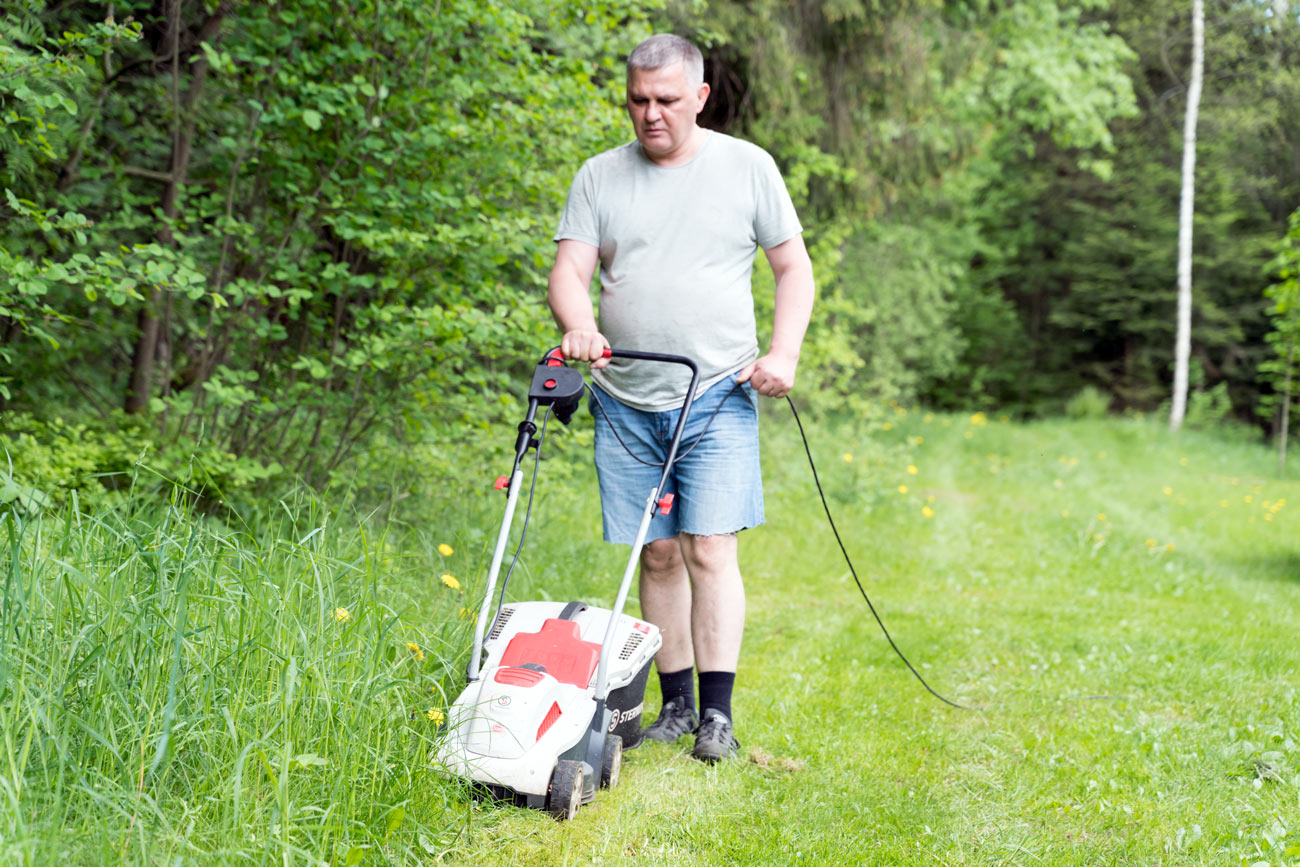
(171, 687)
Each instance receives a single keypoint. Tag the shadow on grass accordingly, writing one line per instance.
(1273, 565)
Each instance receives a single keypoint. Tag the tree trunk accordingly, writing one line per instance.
(1286, 410)
(1183, 343)
(183, 123)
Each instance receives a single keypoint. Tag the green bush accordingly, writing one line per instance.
(1090, 402)
(46, 460)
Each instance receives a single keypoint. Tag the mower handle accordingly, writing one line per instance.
(558, 355)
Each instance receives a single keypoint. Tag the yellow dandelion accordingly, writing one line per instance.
(435, 716)
(1098, 537)
(466, 614)
(1169, 547)
(342, 615)
(911, 469)
(1101, 516)
(918, 440)
(1065, 513)
(927, 511)
(1268, 516)
(1151, 543)
(848, 458)
(902, 489)
(927, 418)
(930, 499)
(1223, 504)
(1101, 455)
(1074, 462)
(1248, 499)
(979, 419)
(888, 426)
(415, 651)
(1166, 490)
(450, 580)
(1182, 462)
(445, 550)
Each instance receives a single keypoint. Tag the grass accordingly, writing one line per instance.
(171, 687)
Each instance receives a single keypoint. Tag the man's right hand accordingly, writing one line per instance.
(585, 345)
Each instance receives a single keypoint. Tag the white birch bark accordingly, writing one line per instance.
(1183, 343)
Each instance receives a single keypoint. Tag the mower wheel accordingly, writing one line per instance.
(565, 795)
(611, 763)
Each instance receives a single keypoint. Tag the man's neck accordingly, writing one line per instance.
(684, 154)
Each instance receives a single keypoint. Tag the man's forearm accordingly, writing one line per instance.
(570, 304)
(793, 299)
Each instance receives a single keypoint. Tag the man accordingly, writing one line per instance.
(674, 219)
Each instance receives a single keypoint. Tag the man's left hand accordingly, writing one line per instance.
(770, 375)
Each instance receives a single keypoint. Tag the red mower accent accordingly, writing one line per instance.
(502, 483)
(550, 383)
(557, 647)
(551, 716)
(666, 504)
(518, 676)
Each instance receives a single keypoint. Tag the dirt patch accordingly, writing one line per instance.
(760, 757)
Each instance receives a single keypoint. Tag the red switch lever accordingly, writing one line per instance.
(666, 504)
(502, 483)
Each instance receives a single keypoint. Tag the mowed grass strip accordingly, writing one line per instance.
(1118, 603)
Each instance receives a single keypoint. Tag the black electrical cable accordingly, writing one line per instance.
(808, 450)
(677, 460)
(825, 506)
(528, 511)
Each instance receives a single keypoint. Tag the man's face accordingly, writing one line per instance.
(663, 106)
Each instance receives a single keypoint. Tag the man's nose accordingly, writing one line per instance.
(652, 111)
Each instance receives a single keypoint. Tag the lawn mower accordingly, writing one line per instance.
(555, 689)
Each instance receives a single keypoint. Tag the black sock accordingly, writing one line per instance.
(715, 691)
(678, 684)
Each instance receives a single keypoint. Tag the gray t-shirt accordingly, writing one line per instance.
(677, 248)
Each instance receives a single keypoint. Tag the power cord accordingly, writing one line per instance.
(808, 450)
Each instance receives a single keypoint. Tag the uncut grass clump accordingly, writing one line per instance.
(175, 688)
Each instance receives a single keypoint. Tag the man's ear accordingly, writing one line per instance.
(702, 95)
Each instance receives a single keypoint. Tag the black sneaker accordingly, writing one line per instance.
(675, 719)
(714, 739)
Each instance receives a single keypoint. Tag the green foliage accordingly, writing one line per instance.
(1086, 259)
(894, 125)
(1279, 371)
(46, 460)
(1090, 402)
(358, 239)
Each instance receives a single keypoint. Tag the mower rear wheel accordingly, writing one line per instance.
(565, 794)
(611, 763)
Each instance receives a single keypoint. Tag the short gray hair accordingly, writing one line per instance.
(665, 49)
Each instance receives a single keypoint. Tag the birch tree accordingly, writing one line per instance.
(1183, 342)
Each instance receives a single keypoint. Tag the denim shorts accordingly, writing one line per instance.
(717, 485)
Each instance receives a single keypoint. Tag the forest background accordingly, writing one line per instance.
(267, 241)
